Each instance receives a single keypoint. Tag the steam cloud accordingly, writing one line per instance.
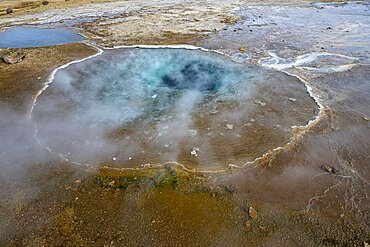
(140, 87)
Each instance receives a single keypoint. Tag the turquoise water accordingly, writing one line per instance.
(120, 86)
(23, 37)
(135, 87)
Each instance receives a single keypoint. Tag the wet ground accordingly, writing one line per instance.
(312, 191)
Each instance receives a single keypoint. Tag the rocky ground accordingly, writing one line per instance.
(312, 192)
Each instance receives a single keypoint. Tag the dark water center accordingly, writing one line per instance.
(25, 37)
(197, 75)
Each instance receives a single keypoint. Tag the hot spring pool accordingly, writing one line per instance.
(136, 106)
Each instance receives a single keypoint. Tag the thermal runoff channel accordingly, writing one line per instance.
(137, 106)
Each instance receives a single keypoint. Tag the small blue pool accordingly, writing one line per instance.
(23, 37)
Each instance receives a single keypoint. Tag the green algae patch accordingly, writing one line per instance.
(197, 214)
(166, 176)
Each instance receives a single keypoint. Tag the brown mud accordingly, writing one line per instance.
(162, 206)
(20, 82)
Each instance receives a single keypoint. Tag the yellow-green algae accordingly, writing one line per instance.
(167, 176)
(64, 221)
(166, 205)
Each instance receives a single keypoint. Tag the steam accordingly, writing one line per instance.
(137, 106)
(18, 148)
(154, 91)
(172, 132)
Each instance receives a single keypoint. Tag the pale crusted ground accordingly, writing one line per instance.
(132, 22)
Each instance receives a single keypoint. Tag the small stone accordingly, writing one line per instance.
(114, 158)
(366, 244)
(45, 2)
(193, 132)
(9, 11)
(329, 169)
(259, 102)
(366, 119)
(194, 152)
(262, 228)
(242, 49)
(293, 99)
(213, 112)
(232, 166)
(229, 126)
(39, 78)
(13, 58)
(248, 223)
(252, 213)
(229, 20)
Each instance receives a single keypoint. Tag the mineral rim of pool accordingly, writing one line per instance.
(25, 37)
(135, 106)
